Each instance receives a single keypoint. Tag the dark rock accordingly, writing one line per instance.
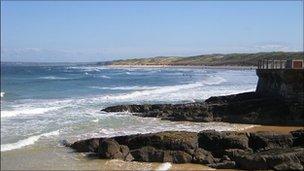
(151, 154)
(223, 165)
(148, 154)
(250, 108)
(89, 145)
(232, 153)
(222, 150)
(232, 98)
(225, 158)
(268, 140)
(176, 157)
(65, 143)
(169, 140)
(218, 142)
(289, 166)
(126, 153)
(202, 156)
(270, 159)
(298, 137)
(110, 149)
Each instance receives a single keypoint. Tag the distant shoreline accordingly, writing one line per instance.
(183, 66)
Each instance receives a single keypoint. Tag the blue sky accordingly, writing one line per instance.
(97, 31)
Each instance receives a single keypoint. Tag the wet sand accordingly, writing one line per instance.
(62, 158)
(278, 129)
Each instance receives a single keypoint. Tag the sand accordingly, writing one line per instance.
(278, 129)
(183, 66)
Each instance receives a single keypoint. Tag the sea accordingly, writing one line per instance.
(44, 104)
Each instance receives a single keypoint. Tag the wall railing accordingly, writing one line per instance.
(272, 64)
(280, 64)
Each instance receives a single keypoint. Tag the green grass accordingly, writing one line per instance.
(233, 59)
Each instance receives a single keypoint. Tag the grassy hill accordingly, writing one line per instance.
(238, 59)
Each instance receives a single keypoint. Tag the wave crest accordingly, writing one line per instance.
(2, 94)
(53, 78)
(28, 141)
(26, 111)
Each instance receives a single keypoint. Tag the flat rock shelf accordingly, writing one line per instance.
(224, 150)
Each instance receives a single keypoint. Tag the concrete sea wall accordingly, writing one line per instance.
(286, 83)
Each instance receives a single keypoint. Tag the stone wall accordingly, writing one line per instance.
(286, 83)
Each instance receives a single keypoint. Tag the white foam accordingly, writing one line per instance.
(214, 80)
(104, 76)
(164, 166)
(127, 88)
(2, 94)
(87, 68)
(165, 90)
(26, 142)
(95, 120)
(53, 78)
(26, 111)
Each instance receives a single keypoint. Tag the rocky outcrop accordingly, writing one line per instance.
(225, 150)
(251, 108)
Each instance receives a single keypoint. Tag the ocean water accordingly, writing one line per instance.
(44, 104)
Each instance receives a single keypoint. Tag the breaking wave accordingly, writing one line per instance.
(28, 141)
(26, 111)
(53, 78)
(127, 88)
(104, 76)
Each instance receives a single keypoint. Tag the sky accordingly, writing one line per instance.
(79, 31)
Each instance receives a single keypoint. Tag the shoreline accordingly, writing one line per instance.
(183, 66)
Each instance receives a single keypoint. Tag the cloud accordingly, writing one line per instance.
(273, 47)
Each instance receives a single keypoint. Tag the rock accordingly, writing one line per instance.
(232, 98)
(65, 143)
(225, 158)
(223, 165)
(232, 153)
(249, 108)
(202, 156)
(298, 137)
(168, 140)
(222, 150)
(148, 154)
(289, 166)
(176, 157)
(89, 145)
(268, 140)
(110, 149)
(218, 142)
(269, 159)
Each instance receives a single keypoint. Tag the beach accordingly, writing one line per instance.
(56, 157)
(185, 66)
(48, 104)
